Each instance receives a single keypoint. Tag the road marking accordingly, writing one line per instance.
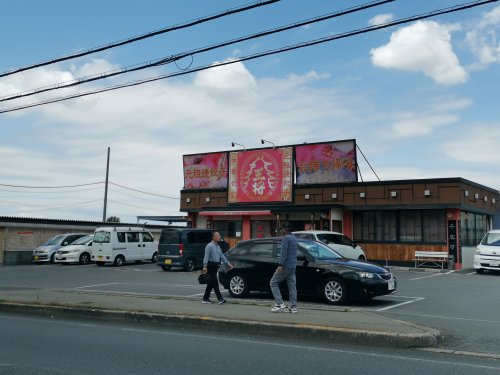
(415, 299)
(433, 275)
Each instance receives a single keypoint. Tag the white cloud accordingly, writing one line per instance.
(482, 39)
(422, 46)
(410, 124)
(149, 127)
(380, 19)
(478, 145)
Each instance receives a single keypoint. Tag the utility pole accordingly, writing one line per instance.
(106, 189)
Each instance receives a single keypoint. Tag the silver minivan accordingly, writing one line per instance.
(46, 252)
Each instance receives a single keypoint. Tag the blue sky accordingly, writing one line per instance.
(421, 99)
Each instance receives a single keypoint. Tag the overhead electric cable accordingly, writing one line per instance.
(143, 192)
(143, 36)
(52, 187)
(179, 56)
(262, 54)
(48, 192)
(49, 208)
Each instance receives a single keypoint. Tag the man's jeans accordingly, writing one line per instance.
(278, 277)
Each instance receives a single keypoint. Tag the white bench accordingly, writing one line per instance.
(433, 259)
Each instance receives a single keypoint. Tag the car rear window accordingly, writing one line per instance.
(170, 237)
(199, 237)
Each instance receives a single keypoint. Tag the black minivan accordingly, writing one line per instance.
(184, 247)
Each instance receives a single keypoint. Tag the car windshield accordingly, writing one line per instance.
(54, 241)
(491, 239)
(319, 251)
(102, 237)
(82, 240)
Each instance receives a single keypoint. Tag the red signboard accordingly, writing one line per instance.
(260, 176)
(331, 162)
(205, 171)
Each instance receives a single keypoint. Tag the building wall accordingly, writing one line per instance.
(456, 195)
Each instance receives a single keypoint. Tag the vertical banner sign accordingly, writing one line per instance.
(260, 176)
(331, 162)
(205, 171)
(452, 238)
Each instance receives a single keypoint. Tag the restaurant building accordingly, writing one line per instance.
(252, 193)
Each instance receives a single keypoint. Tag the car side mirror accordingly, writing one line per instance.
(301, 258)
(65, 243)
(354, 244)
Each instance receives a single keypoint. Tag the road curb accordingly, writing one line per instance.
(427, 338)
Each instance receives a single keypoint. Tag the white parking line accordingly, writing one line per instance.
(433, 275)
(415, 299)
(93, 286)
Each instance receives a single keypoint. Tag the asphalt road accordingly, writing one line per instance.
(462, 305)
(35, 345)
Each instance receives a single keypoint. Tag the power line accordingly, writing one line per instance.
(143, 36)
(262, 54)
(143, 192)
(179, 56)
(51, 187)
(50, 208)
(47, 192)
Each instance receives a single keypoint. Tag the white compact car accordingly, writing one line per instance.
(487, 255)
(78, 251)
(337, 241)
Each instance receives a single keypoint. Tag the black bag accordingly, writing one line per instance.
(204, 278)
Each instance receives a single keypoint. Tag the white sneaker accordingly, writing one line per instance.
(279, 308)
(293, 310)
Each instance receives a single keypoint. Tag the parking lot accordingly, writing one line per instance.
(462, 305)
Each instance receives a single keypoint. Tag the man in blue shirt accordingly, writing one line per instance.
(286, 271)
(211, 262)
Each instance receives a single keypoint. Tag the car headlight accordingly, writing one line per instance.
(72, 251)
(477, 252)
(367, 275)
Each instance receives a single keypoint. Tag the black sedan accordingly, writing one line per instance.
(320, 272)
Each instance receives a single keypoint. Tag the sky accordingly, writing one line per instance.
(420, 99)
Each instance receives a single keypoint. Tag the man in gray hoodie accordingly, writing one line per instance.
(286, 271)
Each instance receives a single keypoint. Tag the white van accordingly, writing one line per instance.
(118, 245)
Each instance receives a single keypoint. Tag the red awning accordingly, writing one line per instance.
(236, 213)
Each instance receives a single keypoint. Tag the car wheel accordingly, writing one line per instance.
(189, 264)
(84, 258)
(165, 268)
(52, 258)
(334, 291)
(100, 264)
(119, 260)
(479, 270)
(154, 259)
(362, 258)
(238, 286)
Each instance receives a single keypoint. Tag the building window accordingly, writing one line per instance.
(375, 226)
(422, 226)
(472, 228)
(228, 228)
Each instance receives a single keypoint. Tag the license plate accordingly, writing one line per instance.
(391, 285)
(494, 263)
(168, 261)
(100, 257)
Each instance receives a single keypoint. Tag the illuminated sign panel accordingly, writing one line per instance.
(260, 176)
(205, 171)
(321, 163)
